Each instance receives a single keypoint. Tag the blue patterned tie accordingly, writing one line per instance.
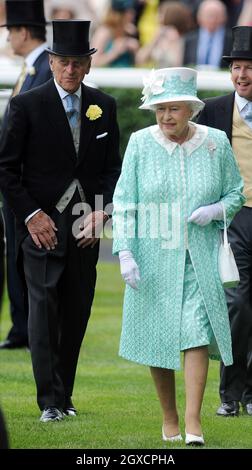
(248, 115)
(71, 110)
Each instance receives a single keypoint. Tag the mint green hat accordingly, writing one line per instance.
(171, 84)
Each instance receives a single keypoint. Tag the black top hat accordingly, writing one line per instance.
(71, 38)
(242, 44)
(25, 13)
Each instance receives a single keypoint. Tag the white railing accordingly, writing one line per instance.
(4, 97)
(115, 77)
(133, 78)
(123, 77)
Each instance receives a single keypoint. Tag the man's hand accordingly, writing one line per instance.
(42, 230)
(91, 228)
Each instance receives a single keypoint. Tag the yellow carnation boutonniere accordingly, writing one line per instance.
(93, 112)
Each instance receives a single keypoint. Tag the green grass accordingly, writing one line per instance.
(117, 404)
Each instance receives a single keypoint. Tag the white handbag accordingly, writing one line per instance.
(228, 270)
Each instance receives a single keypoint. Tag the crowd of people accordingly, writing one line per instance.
(55, 205)
(159, 33)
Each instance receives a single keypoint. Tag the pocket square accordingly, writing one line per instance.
(100, 136)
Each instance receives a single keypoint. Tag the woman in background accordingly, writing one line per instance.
(167, 47)
(116, 45)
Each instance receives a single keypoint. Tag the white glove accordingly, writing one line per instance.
(205, 214)
(129, 268)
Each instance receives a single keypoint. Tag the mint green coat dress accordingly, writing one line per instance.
(180, 291)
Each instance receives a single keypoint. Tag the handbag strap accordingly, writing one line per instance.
(225, 237)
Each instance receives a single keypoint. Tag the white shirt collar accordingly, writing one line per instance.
(63, 93)
(189, 146)
(240, 101)
(33, 55)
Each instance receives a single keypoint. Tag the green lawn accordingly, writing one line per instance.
(117, 404)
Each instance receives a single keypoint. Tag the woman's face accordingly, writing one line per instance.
(173, 118)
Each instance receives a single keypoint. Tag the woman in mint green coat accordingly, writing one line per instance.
(167, 219)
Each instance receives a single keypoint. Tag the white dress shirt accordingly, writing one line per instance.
(31, 58)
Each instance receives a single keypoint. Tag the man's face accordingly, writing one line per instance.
(241, 76)
(16, 37)
(69, 71)
(211, 15)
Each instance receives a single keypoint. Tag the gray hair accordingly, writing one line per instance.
(195, 107)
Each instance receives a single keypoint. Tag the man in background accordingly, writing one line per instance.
(27, 35)
(233, 114)
(207, 44)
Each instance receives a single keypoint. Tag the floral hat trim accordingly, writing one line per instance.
(158, 88)
(153, 85)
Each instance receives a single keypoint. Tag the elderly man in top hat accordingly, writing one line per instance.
(233, 114)
(27, 35)
(60, 155)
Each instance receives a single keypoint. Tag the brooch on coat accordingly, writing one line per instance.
(211, 146)
(93, 112)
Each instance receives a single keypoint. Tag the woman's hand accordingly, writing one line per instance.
(129, 268)
(205, 214)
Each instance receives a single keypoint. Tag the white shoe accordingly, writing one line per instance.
(193, 440)
(176, 438)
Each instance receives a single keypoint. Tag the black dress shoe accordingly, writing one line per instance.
(247, 409)
(69, 409)
(8, 344)
(51, 413)
(229, 408)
